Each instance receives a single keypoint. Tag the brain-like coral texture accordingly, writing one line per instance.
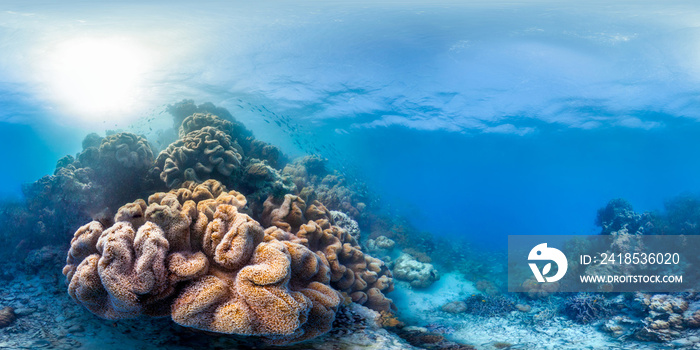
(206, 153)
(129, 150)
(197, 121)
(192, 254)
(364, 278)
(314, 181)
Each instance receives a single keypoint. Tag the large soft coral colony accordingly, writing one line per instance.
(363, 278)
(190, 253)
(260, 262)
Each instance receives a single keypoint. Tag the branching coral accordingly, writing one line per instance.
(585, 308)
(488, 305)
(190, 253)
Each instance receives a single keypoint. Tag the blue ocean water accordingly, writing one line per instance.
(480, 120)
(473, 120)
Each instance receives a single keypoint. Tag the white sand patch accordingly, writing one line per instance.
(413, 304)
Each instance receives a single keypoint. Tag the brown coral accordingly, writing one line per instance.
(126, 274)
(197, 121)
(199, 155)
(130, 150)
(7, 316)
(314, 181)
(206, 264)
(362, 277)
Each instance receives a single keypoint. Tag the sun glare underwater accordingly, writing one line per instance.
(350, 175)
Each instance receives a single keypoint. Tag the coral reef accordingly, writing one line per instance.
(188, 117)
(618, 215)
(7, 316)
(381, 243)
(109, 171)
(190, 253)
(665, 318)
(481, 305)
(489, 305)
(421, 337)
(185, 108)
(585, 308)
(455, 307)
(269, 261)
(364, 278)
(315, 182)
(206, 153)
(38, 260)
(418, 274)
(261, 180)
(345, 222)
(214, 147)
(536, 290)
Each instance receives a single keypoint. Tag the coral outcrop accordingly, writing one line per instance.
(186, 108)
(261, 180)
(665, 317)
(619, 216)
(109, 171)
(364, 278)
(315, 181)
(345, 222)
(191, 254)
(206, 153)
(380, 245)
(418, 274)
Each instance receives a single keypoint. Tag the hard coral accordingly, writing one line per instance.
(666, 316)
(418, 274)
(489, 305)
(585, 308)
(190, 253)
